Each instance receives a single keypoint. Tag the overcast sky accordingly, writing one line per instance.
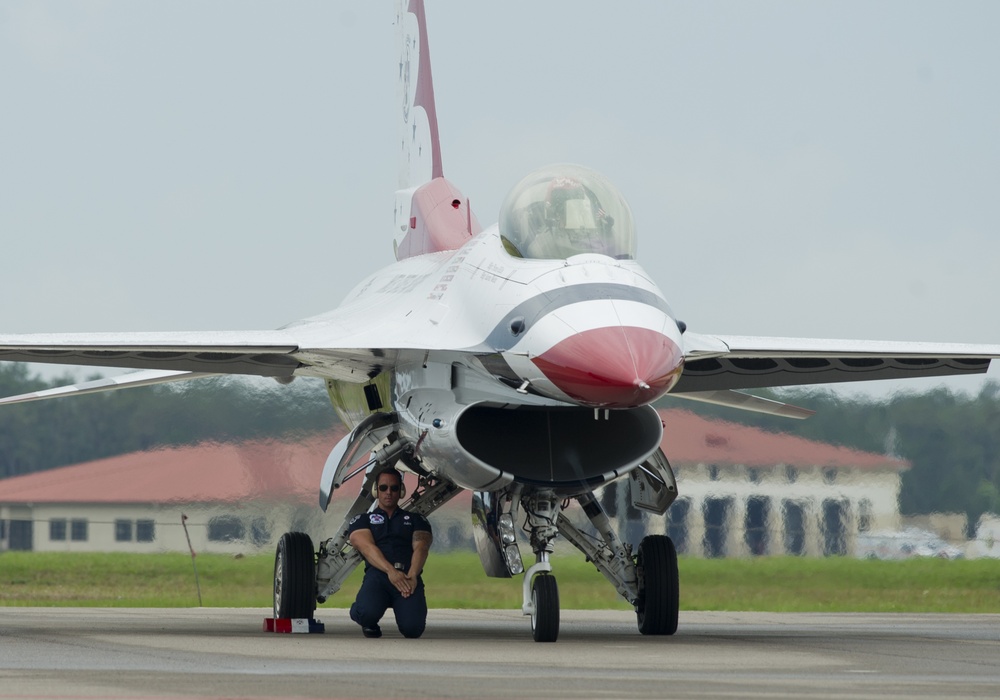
(827, 169)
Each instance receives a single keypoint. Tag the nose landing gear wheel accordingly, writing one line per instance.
(294, 576)
(659, 587)
(545, 601)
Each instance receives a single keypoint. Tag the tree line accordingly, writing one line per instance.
(951, 439)
(57, 432)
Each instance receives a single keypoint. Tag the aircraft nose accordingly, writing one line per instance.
(613, 367)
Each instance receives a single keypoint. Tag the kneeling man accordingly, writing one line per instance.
(394, 544)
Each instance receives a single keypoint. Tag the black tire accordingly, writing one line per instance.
(545, 599)
(294, 576)
(659, 586)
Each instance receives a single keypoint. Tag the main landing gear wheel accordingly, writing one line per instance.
(294, 576)
(545, 602)
(659, 586)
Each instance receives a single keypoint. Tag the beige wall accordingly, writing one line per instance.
(872, 493)
(452, 524)
(262, 524)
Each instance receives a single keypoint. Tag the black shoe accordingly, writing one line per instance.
(372, 632)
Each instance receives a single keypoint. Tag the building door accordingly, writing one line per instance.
(716, 512)
(834, 530)
(755, 525)
(795, 528)
(677, 524)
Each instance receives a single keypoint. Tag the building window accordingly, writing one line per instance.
(753, 475)
(145, 530)
(78, 530)
(3, 529)
(21, 535)
(830, 475)
(226, 528)
(791, 474)
(57, 530)
(123, 531)
(713, 473)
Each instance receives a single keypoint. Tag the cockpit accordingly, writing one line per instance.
(564, 210)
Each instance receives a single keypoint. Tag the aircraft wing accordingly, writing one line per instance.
(132, 379)
(265, 353)
(723, 362)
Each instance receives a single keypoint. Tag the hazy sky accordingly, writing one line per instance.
(804, 169)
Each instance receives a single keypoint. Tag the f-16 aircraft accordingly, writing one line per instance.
(518, 361)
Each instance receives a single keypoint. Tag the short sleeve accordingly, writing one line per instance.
(421, 524)
(361, 521)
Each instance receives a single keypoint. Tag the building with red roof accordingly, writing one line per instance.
(743, 491)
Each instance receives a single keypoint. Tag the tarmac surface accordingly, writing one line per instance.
(223, 653)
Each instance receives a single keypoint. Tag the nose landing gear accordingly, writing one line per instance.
(545, 608)
(541, 594)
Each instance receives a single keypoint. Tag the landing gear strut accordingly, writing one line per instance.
(542, 602)
(649, 580)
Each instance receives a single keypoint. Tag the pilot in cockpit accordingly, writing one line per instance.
(574, 222)
(565, 210)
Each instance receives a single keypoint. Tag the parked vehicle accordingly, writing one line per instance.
(904, 544)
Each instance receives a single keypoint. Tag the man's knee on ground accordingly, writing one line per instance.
(412, 630)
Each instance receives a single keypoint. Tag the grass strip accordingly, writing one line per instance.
(456, 580)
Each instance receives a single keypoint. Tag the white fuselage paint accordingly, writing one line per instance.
(452, 309)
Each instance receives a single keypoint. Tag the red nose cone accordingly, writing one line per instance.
(616, 367)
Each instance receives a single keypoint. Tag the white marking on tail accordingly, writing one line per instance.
(420, 147)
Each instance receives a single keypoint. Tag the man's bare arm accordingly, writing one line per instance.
(421, 548)
(364, 542)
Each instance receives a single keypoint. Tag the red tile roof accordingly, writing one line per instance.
(689, 439)
(205, 473)
(282, 471)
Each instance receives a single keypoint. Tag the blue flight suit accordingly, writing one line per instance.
(394, 536)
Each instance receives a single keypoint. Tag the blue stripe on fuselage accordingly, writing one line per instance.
(532, 310)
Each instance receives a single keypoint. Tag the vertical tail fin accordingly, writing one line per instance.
(420, 147)
(420, 157)
(430, 214)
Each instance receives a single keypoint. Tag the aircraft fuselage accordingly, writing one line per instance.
(518, 361)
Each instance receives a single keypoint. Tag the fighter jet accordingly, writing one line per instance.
(518, 361)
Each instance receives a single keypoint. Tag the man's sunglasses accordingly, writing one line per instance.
(388, 487)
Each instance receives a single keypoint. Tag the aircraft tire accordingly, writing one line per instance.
(294, 576)
(545, 599)
(659, 586)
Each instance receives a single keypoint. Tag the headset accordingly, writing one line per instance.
(390, 470)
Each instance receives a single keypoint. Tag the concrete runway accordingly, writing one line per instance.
(221, 653)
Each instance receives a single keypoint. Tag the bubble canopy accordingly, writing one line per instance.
(563, 210)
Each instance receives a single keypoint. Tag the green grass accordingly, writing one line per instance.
(456, 580)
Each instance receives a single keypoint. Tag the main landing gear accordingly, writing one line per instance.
(294, 577)
(648, 580)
